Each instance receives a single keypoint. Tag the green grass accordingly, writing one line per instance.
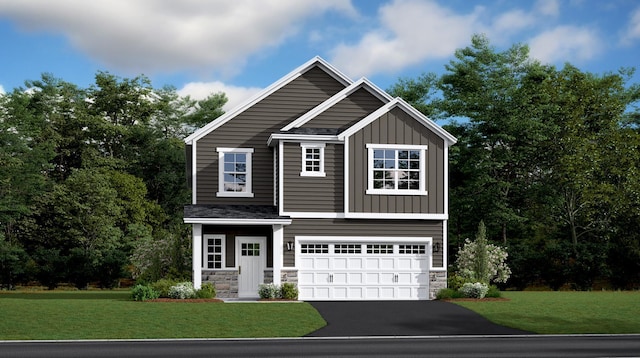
(53, 315)
(564, 312)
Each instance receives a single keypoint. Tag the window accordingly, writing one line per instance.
(234, 172)
(396, 169)
(379, 249)
(347, 249)
(312, 159)
(314, 249)
(213, 249)
(250, 249)
(412, 249)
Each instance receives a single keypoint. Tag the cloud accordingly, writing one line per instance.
(152, 35)
(235, 94)
(632, 32)
(410, 32)
(565, 43)
(2, 91)
(548, 7)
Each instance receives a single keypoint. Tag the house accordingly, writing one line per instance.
(325, 182)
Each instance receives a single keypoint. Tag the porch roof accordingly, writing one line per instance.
(234, 214)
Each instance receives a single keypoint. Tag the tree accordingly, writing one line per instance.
(479, 261)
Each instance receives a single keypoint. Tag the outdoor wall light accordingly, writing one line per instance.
(289, 245)
(436, 247)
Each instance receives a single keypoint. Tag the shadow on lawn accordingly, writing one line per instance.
(68, 295)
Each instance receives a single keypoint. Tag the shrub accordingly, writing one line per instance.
(448, 293)
(474, 290)
(206, 291)
(494, 292)
(143, 293)
(455, 281)
(269, 290)
(163, 286)
(483, 262)
(289, 291)
(182, 291)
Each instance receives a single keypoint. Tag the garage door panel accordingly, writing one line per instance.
(356, 263)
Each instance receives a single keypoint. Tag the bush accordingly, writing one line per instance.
(448, 293)
(494, 292)
(206, 291)
(268, 291)
(455, 281)
(289, 291)
(182, 291)
(143, 293)
(474, 290)
(163, 286)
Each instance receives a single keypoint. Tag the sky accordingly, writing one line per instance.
(242, 46)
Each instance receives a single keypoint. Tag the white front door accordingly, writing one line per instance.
(251, 264)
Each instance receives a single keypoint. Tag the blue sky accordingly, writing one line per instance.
(241, 46)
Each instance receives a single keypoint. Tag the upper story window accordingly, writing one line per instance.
(396, 169)
(312, 159)
(234, 172)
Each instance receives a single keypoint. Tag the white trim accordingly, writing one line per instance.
(277, 252)
(361, 83)
(346, 194)
(316, 61)
(445, 170)
(398, 102)
(351, 215)
(226, 221)
(194, 174)
(281, 178)
(303, 137)
(249, 173)
(196, 265)
(205, 246)
(445, 244)
(313, 215)
(275, 177)
(396, 147)
(304, 172)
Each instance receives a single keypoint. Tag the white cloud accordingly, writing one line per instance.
(512, 21)
(2, 91)
(410, 32)
(632, 32)
(565, 43)
(548, 7)
(235, 94)
(151, 35)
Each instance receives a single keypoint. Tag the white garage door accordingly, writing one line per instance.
(363, 271)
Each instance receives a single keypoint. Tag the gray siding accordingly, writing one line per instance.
(373, 228)
(347, 112)
(251, 129)
(189, 166)
(396, 127)
(313, 194)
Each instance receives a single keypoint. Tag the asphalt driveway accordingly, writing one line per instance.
(403, 318)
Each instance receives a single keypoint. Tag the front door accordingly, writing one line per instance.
(251, 264)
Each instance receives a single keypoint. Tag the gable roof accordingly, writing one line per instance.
(361, 83)
(314, 62)
(400, 103)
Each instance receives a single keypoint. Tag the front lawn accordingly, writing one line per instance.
(564, 312)
(52, 315)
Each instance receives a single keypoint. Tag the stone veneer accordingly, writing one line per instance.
(438, 281)
(225, 282)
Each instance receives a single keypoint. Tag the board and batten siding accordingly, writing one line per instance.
(396, 127)
(362, 227)
(313, 194)
(251, 129)
(347, 112)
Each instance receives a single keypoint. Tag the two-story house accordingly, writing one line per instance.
(322, 181)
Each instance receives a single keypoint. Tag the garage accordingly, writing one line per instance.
(366, 269)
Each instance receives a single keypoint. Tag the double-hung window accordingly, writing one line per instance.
(234, 172)
(396, 169)
(312, 159)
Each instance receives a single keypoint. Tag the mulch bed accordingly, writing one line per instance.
(486, 299)
(186, 300)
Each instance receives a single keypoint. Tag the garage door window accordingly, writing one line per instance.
(314, 248)
(412, 249)
(348, 249)
(379, 249)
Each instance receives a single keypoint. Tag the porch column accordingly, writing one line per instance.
(277, 253)
(197, 256)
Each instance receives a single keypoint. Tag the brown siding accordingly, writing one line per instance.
(313, 194)
(188, 159)
(396, 127)
(347, 112)
(251, 129)
(373, 228)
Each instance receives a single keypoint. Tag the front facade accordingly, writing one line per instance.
(324, 182)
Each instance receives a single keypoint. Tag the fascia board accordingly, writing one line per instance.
(221, 221)
(361, 83)
(339, 76)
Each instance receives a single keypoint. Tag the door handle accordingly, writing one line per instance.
(239, 270)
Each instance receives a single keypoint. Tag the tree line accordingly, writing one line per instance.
(548, 158)
(93, 182)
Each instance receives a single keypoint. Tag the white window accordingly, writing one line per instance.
(397, 169)
(234, 172)
(312, 159)
(213, 251)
